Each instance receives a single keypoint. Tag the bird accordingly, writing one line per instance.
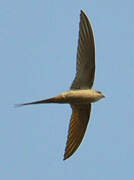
(80, 96)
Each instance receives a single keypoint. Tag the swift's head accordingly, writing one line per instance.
(99, 95)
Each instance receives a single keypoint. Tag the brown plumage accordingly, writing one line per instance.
(85, 72)
(77, 128)
(80, 96)
(85, 66)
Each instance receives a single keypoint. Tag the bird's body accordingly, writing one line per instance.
(72, 97)
(80, 96)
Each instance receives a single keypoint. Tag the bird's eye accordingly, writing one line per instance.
(99, 92)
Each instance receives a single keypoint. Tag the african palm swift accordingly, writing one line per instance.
(80, 96)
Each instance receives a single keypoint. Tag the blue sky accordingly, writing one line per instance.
(38, 44)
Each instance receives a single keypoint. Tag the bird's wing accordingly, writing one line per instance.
(77, 128)
(85, 68)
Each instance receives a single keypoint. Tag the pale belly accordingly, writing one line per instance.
(79, 96)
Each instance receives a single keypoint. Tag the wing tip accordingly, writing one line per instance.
(66, 156)
(82, 13)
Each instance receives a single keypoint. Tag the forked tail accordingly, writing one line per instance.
(50, 100)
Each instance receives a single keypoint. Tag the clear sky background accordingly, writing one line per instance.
(38, 44)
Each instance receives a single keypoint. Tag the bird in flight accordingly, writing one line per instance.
(81, 95)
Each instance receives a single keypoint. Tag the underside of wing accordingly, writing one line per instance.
(78, 124)
(85, 68)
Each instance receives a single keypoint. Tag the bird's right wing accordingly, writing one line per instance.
(85, 68)
(78, 124)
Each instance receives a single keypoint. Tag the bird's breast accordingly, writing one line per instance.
(79, 96)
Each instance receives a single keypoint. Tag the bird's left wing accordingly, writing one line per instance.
(78, 124)
(85, 68)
